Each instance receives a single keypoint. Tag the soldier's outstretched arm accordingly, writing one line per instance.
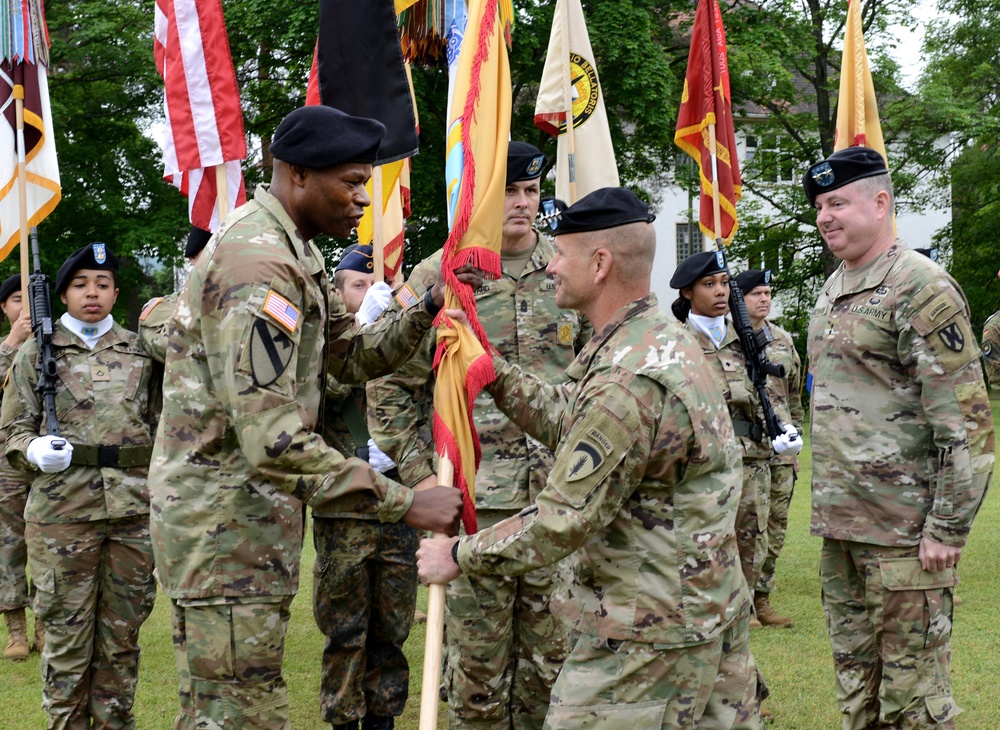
(537, 407)
(21, 411)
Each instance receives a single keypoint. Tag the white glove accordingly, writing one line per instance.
(376, 301)
(787, 443)
(42, 452)
(377, 459)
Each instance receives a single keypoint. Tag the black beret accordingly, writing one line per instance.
(931, 253)
(604, 208)
(197, 240)
(10, 286)
(752, 278)
(357, 258)
(321, 136)
(696, 266)
(524, 162)
(842, 168)
(95, 256)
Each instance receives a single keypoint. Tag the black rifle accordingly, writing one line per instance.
(753, 343)
(41, 325)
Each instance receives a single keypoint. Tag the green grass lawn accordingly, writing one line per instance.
(796, 662)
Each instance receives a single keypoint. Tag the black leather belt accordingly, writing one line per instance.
(111, 457)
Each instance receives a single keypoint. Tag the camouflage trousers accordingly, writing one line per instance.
(364, 594)
(229, 665)
(94, 588)
(13, 550)
(782, 487)
(504, 647)
(607, 684)
(890, 627)
(751, 518)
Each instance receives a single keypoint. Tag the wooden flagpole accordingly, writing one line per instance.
(222, 192)
(22, 195)
(568, 94)
(434, 642)
(378, 224)
(716, 207)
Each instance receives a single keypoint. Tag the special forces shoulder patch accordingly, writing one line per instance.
(271, 351)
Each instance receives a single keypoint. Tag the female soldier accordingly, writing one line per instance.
(702, 306)
(87, 515)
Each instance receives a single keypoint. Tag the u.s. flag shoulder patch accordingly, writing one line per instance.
(150, 306)
(282, 310)
(406, 296)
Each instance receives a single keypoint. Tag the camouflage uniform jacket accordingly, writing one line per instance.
(744, 405)
(526, 327)
(103, 398)
(7, 470)
(646, 483)
(991, 349)
(902, 433)
(785, 393)
(153, 325)
(239, 449)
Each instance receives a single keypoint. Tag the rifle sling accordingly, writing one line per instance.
(111, 457)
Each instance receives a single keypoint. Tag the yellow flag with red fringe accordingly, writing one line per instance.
(857, 110)
(476, 170)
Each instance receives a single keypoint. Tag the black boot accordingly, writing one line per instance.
(352, 725)
(375, 722)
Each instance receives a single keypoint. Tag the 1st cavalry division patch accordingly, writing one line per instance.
(271, 350)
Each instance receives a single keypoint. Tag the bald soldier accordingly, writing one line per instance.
(504, 649)
(902, 440)
(645, 486)
(239, 454)
(991, 348)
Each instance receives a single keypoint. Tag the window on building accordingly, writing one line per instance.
(767, 160)
(685, 233)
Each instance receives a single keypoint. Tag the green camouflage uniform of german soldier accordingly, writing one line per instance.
(239, 454)
(87, 529)
(902, 441)
(504, 648)
(364, 578)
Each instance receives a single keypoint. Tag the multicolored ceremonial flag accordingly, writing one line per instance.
(857, 111)
(204, 120)
(476, 169)
(707, 103)
(570, 84)
(24, 57)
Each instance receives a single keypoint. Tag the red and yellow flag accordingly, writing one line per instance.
(476, 169)
(857, 111)
(707, 101)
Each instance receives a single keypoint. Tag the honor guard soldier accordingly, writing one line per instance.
(87, 515)
(504, 648)
(365, 575)
(14, 484)
(784, 394)
(644, 489)
(902, 443)
(239, 452)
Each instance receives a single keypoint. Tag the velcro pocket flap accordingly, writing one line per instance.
(906, 574)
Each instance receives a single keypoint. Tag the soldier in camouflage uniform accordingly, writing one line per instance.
(991, 348)
(787, 402)
(645, 486)
(902, 442)
(504, 648)
(703, 306)
(365, 575)
(87, 515)
(13, 496)
(239, 452)
(156, 313)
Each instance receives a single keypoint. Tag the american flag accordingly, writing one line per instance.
(204, 121)
(282, 310)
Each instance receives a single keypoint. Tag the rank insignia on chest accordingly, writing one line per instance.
(283, 311)
(565, 334)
